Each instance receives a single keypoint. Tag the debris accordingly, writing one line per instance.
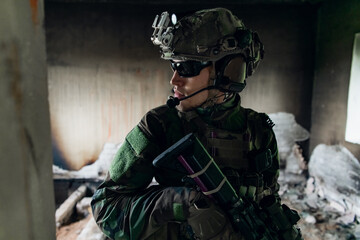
(310, 219)
(335, 206)
(287, 132)
(346, 219)
(97, 170)
(64, 212)
(310, 186)
(328, 200)
(91, 232)
(357, 231)
(336, 173)
(83, 207)
(72, 231)
(295, 162)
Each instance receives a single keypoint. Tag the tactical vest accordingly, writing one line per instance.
(237, 152)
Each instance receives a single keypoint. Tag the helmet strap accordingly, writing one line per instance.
(213, 93)
(212, 77)
(213, 98)
(218, 80)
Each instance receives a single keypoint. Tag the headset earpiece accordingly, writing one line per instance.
(231, 73)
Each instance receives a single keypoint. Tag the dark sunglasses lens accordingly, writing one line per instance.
(183, 68)
(189, 68)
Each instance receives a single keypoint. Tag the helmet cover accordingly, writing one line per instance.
(208, 35)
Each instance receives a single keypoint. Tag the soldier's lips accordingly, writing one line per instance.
(178, 94)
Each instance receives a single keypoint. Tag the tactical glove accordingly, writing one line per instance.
(208, 221)
(173, 204)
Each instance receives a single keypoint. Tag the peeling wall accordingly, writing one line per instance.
(338, 23)
(26, 200)
(104, 72)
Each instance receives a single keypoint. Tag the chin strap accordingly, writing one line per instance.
(214, 96)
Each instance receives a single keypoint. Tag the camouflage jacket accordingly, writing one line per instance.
(232, 134)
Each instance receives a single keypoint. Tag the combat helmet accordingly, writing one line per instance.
(211, 35)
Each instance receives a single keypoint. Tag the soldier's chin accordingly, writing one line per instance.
(183, 107)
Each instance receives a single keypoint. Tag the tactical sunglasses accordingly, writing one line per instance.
(189, 68)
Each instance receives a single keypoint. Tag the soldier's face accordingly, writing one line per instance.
(184, 86)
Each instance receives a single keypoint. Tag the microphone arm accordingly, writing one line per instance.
(174, 101)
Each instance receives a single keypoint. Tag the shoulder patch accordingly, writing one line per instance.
(137, 140)
(267, 122)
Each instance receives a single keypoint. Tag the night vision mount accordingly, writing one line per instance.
(162, 34)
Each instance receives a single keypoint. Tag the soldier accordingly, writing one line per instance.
(211, 53)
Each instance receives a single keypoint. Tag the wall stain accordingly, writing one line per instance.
(34, 11)
(14, 71)
(13, 68)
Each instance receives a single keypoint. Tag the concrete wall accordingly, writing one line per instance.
(338, 23)
(103, 76)
(104, 72)
(26, 197)
(283, 81)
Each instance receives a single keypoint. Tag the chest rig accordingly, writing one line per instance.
(237, 152)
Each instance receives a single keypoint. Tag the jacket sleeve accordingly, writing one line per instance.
(265, 139)
(271, 175)
(124, 207)
(120, 203)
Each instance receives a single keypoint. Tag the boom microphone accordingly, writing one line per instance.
(174, 101)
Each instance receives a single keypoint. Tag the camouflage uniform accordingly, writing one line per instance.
(126, 208)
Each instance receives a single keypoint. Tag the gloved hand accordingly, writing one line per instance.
(208, 221)
(172, 204)
(181, 204)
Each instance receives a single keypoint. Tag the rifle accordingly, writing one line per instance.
(265, 221)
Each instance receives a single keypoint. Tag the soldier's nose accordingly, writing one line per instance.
(176, 80)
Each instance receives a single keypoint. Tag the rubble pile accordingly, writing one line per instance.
(321, 218)
(288, 132)
(336, 175)
(97, 170)
(326, 193)
(84, 226)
